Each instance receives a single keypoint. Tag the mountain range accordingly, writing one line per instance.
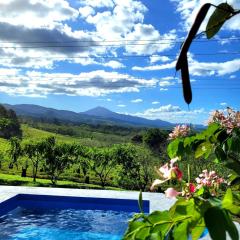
(98, 115)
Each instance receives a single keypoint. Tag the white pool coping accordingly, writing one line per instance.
(157, 201)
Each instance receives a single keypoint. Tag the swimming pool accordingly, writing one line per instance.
(32, 217)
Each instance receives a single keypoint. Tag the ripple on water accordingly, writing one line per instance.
(63, 224)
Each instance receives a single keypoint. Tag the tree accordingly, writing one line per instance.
(15, 151)
(154, 138)
(102, 163)
(57, 157)
(9, 124)
(136, 166)
(34, 151)
(82, 158)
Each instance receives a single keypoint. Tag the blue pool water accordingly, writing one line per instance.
(63, 224)
(38, 217)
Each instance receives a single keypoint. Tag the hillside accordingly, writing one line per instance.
(98, 115)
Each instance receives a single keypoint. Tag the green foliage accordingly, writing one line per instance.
(221, 14)
(9, 124)
(102, 163)
(136, 166)
(154, 137)
(189, 216)
(34, 152)
(57, 157)
(15, 151)
(185, 218)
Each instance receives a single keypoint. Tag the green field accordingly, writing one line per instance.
(15, 180)
(83, 135)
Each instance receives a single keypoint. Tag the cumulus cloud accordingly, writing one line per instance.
(214, 68)
(172, 113)
(138, 100)
(48, 39)
(113, 64)
(86, 11)
(43, 13)
(95, 83)
(188, 10)
(98, 3)
(155, 67)
(155, 102)
(125, 21)
(147, 31)
(163, 89)
(158, 58)
(121, 105)
(223, 104)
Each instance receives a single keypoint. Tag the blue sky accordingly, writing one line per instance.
(79, 54)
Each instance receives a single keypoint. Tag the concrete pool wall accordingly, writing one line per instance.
(157, 201)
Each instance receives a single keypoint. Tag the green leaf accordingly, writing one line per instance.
(230, 227)
(235, 143)
(218, 18)
(180, 231)
(154, 236)
(204, 148)
(162, 222)
(220, 154)
(157, 216)
(218, 223)
(228, 203)
(140, 202)
(172, 148)
(142, 234)
(198, 229)
(214, 220)
(235, 166)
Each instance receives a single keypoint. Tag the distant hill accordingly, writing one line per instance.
(98, 115)
(128, 119)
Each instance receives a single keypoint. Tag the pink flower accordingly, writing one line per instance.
(210, 180)
(229, 122)
(171, 193)
(167, 172)
(176, 173)
(179, 131)
(192, 188)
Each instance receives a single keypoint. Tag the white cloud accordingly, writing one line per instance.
(163, 89)
(113, 64)
(166, 83)
(213, 68)
(232, 76)
(121, 105)
(117, 20)
(86, 11)
(125, 21)
(138, 100)
(155, 102)
(172, 113)
(158, 58)
(189, 9)
(98, 3)
(155, 67)
(36, 13)
(144, 31)
(95, 83)
(223, 104)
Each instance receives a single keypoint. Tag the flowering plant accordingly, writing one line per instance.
(199, 203)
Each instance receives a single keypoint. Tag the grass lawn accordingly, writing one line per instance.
(15, 180)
